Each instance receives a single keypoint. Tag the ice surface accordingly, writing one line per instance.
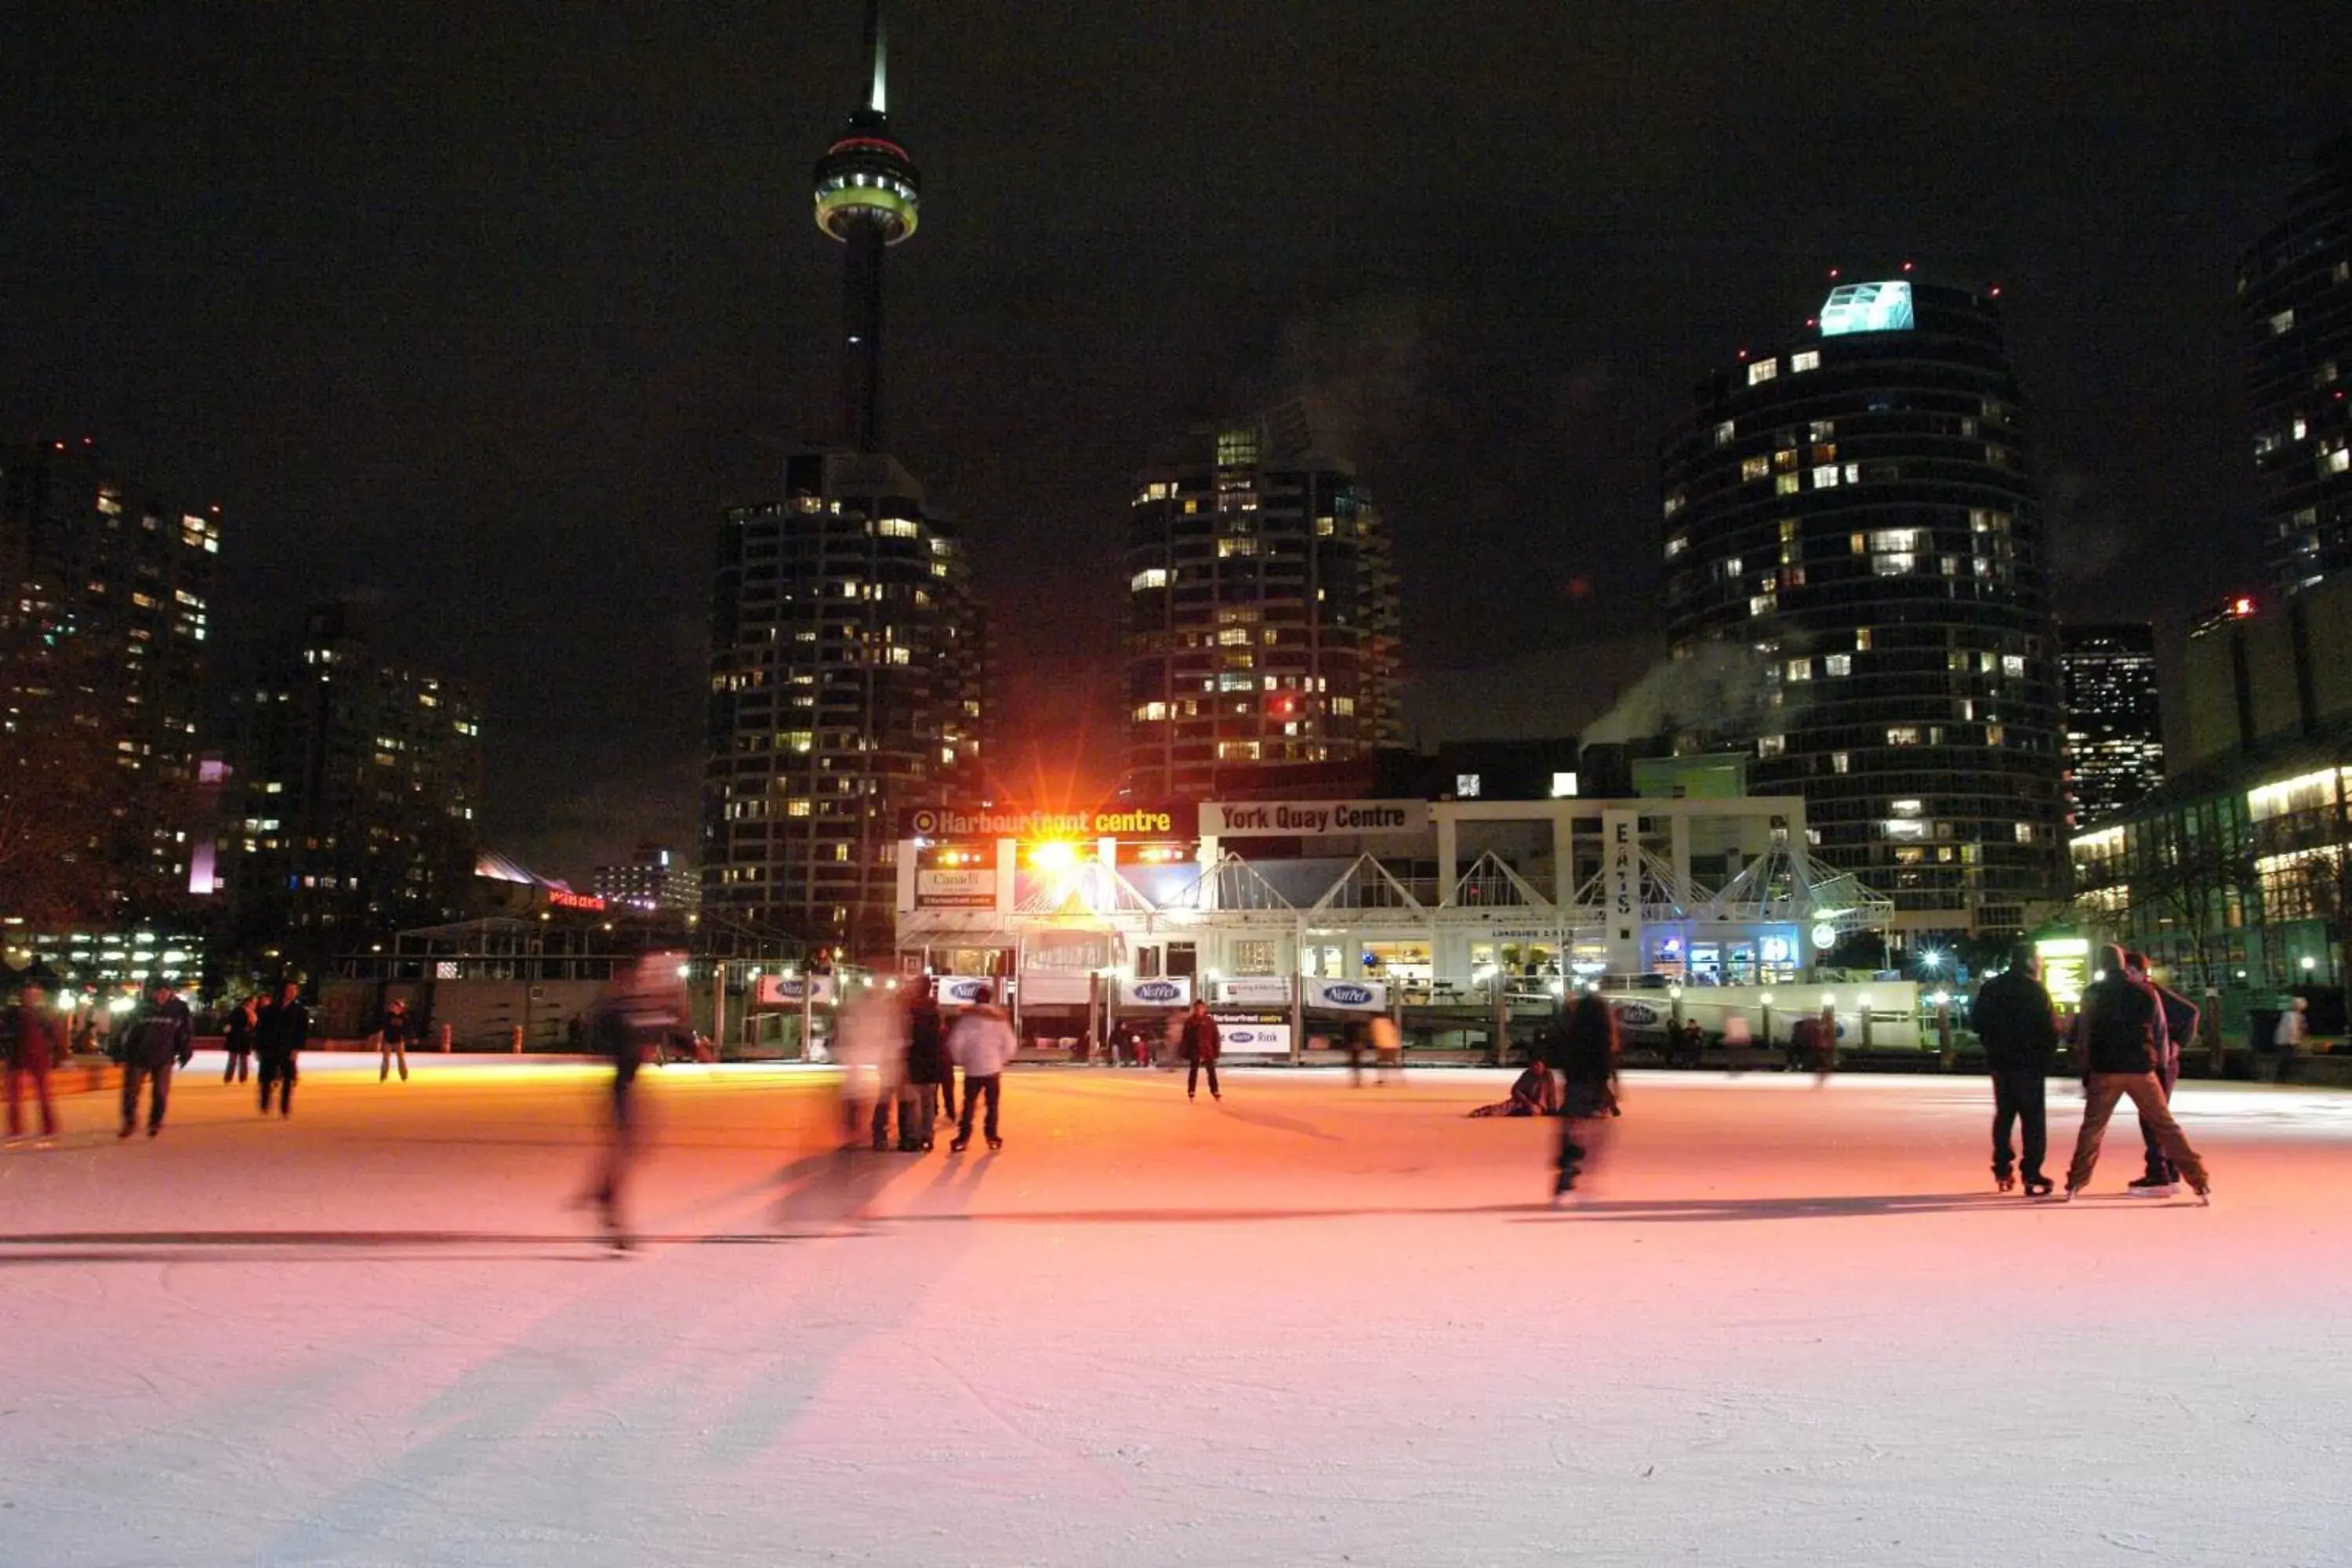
(1312, 1324)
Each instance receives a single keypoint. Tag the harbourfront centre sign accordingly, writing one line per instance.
(1311, 818)
(1084, 821)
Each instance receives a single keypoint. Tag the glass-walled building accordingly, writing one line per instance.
(1262, 613)
(2294, 311)
(1857, 514)
(2115, 718)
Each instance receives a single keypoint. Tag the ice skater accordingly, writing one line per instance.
(1587, 1048)
(2120, 1031)
(2161, 1180)
(36, 1038)
(1388, 1050)
(871, 1043)
(278, 1040)
(981, 1043)
(929, 1072)
(2018, 1026)
(638, 1007)
(237, 1040)
(1202, 1044)
(160, 1037)
(392, 1039)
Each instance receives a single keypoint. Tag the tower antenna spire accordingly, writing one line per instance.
(867, 197)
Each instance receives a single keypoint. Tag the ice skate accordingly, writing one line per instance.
(2205, 1197)
(959, 1146)
(2037, 1187)
(2002, 1181)
(2149, 1187)
(995, 1143)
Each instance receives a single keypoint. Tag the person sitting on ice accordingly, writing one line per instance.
(1534, 1092)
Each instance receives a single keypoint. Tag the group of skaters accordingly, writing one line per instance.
(151, 1043)
(2127, 1036)
(899, 1054)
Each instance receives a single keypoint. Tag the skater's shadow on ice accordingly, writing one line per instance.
(1280, 1123)
(1690, 1211)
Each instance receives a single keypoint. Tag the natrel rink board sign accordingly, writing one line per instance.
(1311, 818)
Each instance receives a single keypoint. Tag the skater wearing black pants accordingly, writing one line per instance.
(278, 1044)
(1586, 1045)
(2020, 1030)
(160, 1036)
(237, 1040)
(982, 1042)
(2162, 1178)
(1201, 1043)
(394, 1039)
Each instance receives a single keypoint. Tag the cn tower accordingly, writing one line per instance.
(865, 198)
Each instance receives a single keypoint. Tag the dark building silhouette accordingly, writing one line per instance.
(847, 660)
(2115, 718)
(1858, 513)
(359, 778)
(2294, 308)
(105, 600)
(1262, 611)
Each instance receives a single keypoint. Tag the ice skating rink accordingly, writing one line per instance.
(1311, 1324)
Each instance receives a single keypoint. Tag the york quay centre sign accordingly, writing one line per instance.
(1312, 819)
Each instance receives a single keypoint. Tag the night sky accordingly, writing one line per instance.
(480, 313)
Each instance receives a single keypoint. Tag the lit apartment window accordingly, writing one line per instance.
(1837, 664)
(1825, 478)
(2024, 830)
(1841, 762)
(1676, 545)
(1903, 735)
(1563, 786)
(2013, 665)
(1786, 485)
(1754, 467)
(1725, 432)
(1771, 745)
(1466, 786)
(1149, 578)
(1804, 360)
(2281, 322)
(1801, 670)
(1764, 370)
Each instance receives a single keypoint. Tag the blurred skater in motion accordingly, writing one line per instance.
(237, 1040)
(160, 1036)
(1821, 1046)
(2120, 1035)
(870, 1041)
(929, 1073)
(277, 1039)
(36, 1039)
(1587, 1048)
(2018, 1026)
(392, 1039)
(638, 1008)
(1388, 1050)
(982, 1042)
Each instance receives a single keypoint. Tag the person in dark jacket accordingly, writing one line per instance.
(394, 1039)
(2018, 1026)
(638, 1009)
(1202, 1044)
(160, 1036)
(1586, 1045)
(37, 1039)
(2121, 1034)
(277, 1039)
(237, 1040)
(2181, 1021)
(930, 1072)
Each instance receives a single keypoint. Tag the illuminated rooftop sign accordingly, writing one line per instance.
(1867, 308)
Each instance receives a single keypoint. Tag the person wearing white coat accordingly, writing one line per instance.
(981, 1043)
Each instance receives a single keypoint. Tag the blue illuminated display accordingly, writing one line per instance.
(1867, 308)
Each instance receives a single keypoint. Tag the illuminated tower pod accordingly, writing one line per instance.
(1859, 510)
(867, 198)
(1262, 613)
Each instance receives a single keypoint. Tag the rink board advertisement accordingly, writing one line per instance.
(776, 990)
(1348, 995)
(966, 990)
(1056, 988)
(1253, 1037)
(1254, 990)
